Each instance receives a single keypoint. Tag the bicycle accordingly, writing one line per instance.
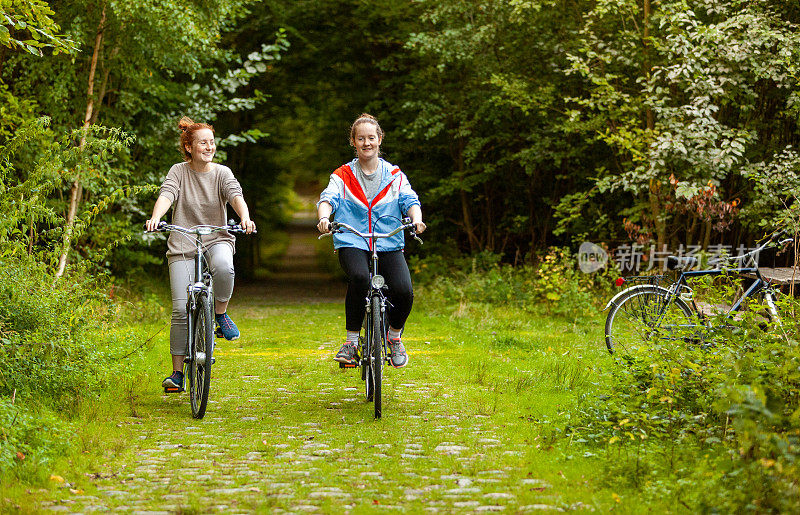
(371, 352)
(648, 312)
(200, 310)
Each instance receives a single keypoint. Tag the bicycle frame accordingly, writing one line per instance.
(375, 292)
(370, 239)
(203, 286)
(199, 307)
(759, 284)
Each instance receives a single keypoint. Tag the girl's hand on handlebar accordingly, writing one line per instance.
(152, 224)
(324, 225)
(419, 227)
(248, 226)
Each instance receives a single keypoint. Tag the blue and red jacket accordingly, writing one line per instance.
(383, 214)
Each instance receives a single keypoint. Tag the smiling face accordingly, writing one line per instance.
(367, 141)
(203, 146)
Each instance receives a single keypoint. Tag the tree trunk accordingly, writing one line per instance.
(490, 233)
(655, 203)
(706, 234)
(466, 218)
(77, 188)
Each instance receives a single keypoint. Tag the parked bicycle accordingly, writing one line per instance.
(656, 309)
(371, 353)
(200, 310)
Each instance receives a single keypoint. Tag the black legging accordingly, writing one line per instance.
(392, 266)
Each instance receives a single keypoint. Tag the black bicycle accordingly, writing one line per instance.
(371, 352)
(648, 312)
(200, 310)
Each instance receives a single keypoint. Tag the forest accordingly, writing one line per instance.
(526, 126)
(522, 124)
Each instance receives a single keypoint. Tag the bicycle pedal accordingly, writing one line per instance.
(348, 365)
(218, 332)
(169, 389)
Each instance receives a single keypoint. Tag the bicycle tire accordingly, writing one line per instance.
(376, 357)
(641, 317)
(202, 354)
(362, 345)
(366, 358)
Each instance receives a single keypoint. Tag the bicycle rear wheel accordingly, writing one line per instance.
(202, 354)
(376, 357)
(645, 318)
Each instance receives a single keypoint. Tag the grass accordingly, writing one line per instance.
(475, 420)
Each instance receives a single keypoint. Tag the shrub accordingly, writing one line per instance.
(48, 343)
(724, 419)
(555, 284)
(29, 438)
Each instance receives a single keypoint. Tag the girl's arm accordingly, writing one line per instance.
(240, 206)
(324, 210)
(159, 209)
(415, 213)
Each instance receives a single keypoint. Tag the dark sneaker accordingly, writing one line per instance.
(227, 327)
(397, 352)
(175, 381)
(347, 354)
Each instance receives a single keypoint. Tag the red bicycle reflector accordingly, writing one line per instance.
(619, 281)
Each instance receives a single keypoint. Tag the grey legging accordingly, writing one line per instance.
(181, 273)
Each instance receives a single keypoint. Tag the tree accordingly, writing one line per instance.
(689, 91)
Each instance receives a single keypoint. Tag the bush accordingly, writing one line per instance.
(555, 284)
(717, 427)
(48, 333)
(29, 438)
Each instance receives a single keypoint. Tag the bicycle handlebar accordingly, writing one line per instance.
(772, 238)
(337, 227)
(200, 229)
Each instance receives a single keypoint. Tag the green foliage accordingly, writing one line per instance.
(488, 104)
(713, 425)
(50, 346)
(29, 439)
(26, 183)
(554, 285)
(681, 93)
(33, 21)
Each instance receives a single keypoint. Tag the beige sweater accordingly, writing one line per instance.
(198, 198)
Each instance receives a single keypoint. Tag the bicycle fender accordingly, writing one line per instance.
(626, 291)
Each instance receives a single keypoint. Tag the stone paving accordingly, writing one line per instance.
(293, 434)
(258, 461)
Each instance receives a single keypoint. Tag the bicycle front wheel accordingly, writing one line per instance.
(376, 357)
(646, 317)
(202, 354)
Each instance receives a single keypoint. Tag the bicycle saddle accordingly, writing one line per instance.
(682, 263)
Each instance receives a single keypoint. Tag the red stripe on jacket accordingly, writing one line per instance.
(351, 183)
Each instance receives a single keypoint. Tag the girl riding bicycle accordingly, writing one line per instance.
(198, 190)
(371, 194)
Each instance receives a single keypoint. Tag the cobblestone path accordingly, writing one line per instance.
(288, 431)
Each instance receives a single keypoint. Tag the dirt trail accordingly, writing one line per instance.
(299, 279)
